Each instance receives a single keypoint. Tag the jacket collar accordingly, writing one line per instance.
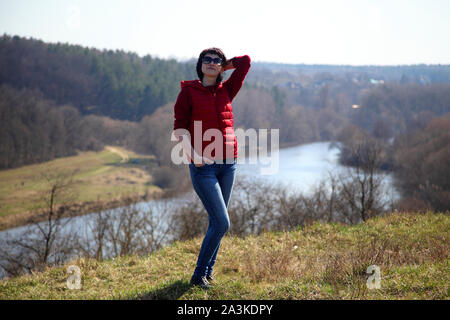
(198, 84)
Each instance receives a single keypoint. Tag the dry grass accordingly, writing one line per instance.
(320, 261)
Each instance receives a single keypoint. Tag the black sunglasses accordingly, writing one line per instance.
(207, 60)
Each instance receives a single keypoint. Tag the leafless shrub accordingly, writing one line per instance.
(130, 229)
(165, 177)
(189, 220)
(291, 210)
(257, 205)
(139, 228)
(39, 244)
(253, 208)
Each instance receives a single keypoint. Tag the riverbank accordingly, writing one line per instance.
(75, 209)
(97, 180)
(319, 261)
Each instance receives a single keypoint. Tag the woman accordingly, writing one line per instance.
(207, 101)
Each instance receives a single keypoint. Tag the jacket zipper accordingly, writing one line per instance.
(218, 118)
(215, 106)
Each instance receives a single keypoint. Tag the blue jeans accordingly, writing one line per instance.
(213, 184)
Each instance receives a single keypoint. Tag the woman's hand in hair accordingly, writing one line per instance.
(228, 65)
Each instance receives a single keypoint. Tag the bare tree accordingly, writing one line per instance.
(42, 243)
(252, 209)
(361, 190)
(290, 210)
(189, 220)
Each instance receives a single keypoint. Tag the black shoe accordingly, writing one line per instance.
(200, 282)
(210, 279)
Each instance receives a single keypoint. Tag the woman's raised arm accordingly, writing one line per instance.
(236, 80)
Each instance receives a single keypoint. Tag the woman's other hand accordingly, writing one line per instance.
(204, 161)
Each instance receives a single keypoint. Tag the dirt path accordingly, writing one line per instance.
(123, 155)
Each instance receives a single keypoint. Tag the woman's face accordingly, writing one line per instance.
(211, 69)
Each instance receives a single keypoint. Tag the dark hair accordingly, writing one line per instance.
(200, 58)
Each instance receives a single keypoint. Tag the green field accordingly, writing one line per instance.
(319, 261)
(100, 176)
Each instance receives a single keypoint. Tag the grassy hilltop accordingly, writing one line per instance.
(319, 261)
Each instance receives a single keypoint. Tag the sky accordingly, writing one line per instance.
(350, 32)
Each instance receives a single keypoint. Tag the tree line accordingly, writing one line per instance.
(117, 84)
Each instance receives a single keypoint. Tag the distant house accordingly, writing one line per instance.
(424, 80)
(291, 85)
(374, 81)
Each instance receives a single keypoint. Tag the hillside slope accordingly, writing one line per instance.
(320, 261)
(99, 178)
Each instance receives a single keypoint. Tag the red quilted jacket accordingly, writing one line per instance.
(212, 106)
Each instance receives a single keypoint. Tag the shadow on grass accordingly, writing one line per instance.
(170, 292)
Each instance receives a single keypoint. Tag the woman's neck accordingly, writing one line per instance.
(208, 81)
